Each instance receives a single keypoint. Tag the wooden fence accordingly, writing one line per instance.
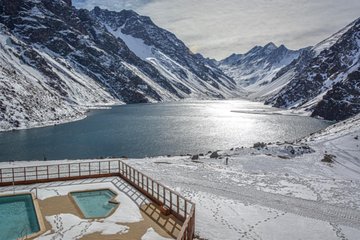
(166, 198)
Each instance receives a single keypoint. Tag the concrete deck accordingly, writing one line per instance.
(165, 226)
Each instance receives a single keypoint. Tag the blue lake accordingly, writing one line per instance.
(141, 130)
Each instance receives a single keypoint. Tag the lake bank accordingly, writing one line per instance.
(146, 130)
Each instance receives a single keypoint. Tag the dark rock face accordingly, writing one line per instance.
(329, 69)
(79, 61)
(165, 43)
(342, 101)
(195, 157)
(214, 155)
(68, 2)
(10, 7)
(74, 35)
(81, 39)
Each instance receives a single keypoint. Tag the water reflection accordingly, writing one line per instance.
(158, 129)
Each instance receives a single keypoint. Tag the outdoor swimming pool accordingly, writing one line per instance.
(17, 217)
(95, 204)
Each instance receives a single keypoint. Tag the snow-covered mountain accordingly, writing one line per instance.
(37, 89)
(325, 80)
(69, 59)
(255, 69)
(164, 51)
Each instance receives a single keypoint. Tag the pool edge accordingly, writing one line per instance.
(93, 190)
(39, 216)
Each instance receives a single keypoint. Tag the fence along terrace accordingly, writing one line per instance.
(168, 201)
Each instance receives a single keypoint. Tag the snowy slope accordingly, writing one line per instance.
(187, 72)
(87, 61)
(30, 98)
(255, 69)
(281, 191)
(325, 80)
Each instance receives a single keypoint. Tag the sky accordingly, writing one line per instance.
(218, 28)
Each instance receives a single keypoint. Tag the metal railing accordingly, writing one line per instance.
(166, 198)
(179, 206)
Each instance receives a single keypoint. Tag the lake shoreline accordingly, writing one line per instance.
(150, 130)
(79, 117)
(85, 114)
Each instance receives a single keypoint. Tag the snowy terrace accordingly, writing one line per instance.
(147, 209)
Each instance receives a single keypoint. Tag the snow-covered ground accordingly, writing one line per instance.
(281, 191)
(271, 192)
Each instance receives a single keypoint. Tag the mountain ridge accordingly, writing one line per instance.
(73, 55)
(326, 79)
(256, 68)
(75, 59)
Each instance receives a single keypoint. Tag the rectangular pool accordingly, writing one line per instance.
(95, 204)
(17, 217)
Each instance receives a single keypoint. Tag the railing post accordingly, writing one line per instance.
(138, 178)
(69, 170)
(79, 170)
(109, 166)
(99, 168)
(164, 196)
(1, 175)
(47, 171)
(152, 187)
(25, 173)
(89, 170)
(185, 208)
(13, 177)
(147, 184)
(157, 190)
(177, 203)
(36, 172)
(171, 203)
(142, 181)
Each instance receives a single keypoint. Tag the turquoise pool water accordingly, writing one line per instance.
(17, 217)
(95, 204)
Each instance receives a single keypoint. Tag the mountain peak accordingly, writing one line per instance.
(129, 12)
(333, 39)
(270, 46)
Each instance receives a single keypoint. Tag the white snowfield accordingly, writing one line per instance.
(276, 192)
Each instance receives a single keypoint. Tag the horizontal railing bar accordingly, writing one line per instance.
(63, 164)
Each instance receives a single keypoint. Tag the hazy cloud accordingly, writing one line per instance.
(217, 28)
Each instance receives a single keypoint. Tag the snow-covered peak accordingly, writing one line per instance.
(270, 46)
(258, 66)
(114, 56)
(326, 80)
(152, 43)
(330, 41)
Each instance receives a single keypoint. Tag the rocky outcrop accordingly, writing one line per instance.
(82, 58)
(325, 80)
